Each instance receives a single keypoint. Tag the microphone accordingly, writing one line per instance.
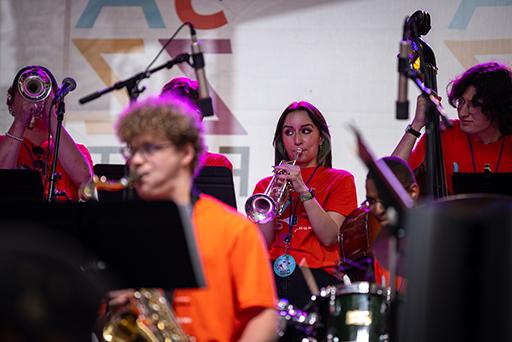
(402, 103)
(68, 85)
(205, 101)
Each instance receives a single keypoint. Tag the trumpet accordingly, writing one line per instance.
(35, 86)
(89, 191)
(263, 208)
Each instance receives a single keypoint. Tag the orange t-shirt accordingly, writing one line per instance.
(236, 269)
(26, 158)
(457, 153)
(335, 191)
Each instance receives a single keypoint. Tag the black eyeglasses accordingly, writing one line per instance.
(145, 150)
(473, 103)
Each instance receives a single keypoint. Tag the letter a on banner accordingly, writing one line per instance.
(94, 7)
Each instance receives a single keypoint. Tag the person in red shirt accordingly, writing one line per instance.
(188, 90)
(373, 202)
(164, 146)
(26, 144)
(480, 139)
(308, 229)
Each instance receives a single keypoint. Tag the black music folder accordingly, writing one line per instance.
(139, 244)
(482, 182)
(216, 181)
(458, 270)
(21, 185)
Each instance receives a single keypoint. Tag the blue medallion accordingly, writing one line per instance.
(284, 265)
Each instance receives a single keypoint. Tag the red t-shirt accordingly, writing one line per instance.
(237, 272)
(26, 158)
(335, 191)
(216, 159)
(457, 153)
(382, 277)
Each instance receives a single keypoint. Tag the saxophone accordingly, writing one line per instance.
(149, 318)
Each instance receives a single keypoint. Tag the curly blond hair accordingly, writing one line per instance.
(163, 117)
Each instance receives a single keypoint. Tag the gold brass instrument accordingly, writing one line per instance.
(35, 85)
(89, 191)
(263, 208)
(148, 318)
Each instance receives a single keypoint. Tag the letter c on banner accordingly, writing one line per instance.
(186, 12)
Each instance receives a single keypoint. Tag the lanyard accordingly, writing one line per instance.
(293, 210)
(473, 155)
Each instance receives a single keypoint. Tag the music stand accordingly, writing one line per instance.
(458, 270)
(482, 182)
(21, 185)
(38, 268)
(143, 244)
(216, 181)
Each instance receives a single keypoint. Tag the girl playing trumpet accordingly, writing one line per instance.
(307, 230)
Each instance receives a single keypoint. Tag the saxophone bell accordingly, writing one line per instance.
(147, 318)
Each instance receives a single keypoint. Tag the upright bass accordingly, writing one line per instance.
(360, 229)
(431, 174)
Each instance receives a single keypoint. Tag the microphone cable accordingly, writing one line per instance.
(167, 43)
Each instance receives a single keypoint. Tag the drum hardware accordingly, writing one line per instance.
(351, 312)
(300, 320)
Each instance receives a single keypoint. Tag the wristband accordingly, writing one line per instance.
(412, 131)
(307, 196)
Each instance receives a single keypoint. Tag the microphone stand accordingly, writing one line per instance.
(132, 87)
(132, 84)
(61, 108)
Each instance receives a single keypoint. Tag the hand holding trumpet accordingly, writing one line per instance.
(291, 173)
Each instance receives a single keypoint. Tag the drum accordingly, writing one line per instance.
(357, 235)
(354, 312)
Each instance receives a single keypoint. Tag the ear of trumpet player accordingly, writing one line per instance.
(263, 208)
(89, 191)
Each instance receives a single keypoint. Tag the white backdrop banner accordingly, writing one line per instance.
(260, 56)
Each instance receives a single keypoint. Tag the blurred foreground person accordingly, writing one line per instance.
(164, 145)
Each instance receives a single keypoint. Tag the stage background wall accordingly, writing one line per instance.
(260, 56)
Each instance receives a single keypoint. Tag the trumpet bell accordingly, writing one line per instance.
(260, 208)
(34, 84)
